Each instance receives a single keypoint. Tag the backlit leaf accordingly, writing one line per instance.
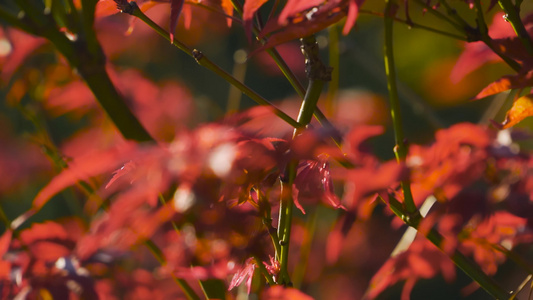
(175, 10)
(249, 9)
(521, 109)
(477, 54)
(81, 169)
(227, 7)
(506, 83)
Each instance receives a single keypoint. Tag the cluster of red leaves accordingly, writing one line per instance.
(297, 18)
(483, 204)
(216, 176)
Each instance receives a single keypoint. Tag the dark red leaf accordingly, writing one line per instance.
(303, 23)
(175, 10)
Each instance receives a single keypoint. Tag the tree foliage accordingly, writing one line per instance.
(120, 182)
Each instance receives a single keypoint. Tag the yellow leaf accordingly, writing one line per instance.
(522, 108)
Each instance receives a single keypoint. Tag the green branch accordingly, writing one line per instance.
(459, 259)
(318, 74)
(87, 57)
(418, 26)
(401, 148)
(444, 18)
(485, 37)
(513, 16)
(293, 80)
(17, 22)
(204, 61)
(452, 12)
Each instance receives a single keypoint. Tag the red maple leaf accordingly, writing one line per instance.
(421, 260)
(245, 274)
(299, 19)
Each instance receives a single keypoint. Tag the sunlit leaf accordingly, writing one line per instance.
(521, 109)
(249, 9)
(227, 7)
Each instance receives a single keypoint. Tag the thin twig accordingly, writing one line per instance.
(204, 61)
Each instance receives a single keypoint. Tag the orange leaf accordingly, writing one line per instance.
(249, 9)
(522, 108)
(506, 83)
(227, 7)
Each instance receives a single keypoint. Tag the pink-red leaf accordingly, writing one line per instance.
(127, 168)
(80, 169)
(353, 13)
(249, 9)
(303, 18)
(246, 273)
(477, 54)
(294, 7)
(175, 10)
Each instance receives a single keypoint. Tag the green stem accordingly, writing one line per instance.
(15, 21)
(293, 80)
(4, 218)
(517, 259)
(513, 16)
(87, 57)
(460, 260)
(452, 12)
(484, 31)
(264, 271)
(111, 101)
(202, 60)
(265, 210)
(285, 222)
(317, 73)
(87, 24)
(401, 148)
(282, 65)
(334, 62)
(443, 17)
(305, 249)
(469, 268)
